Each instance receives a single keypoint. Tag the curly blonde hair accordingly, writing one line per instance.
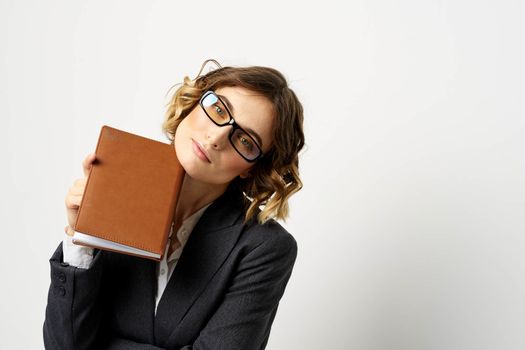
(275, 176)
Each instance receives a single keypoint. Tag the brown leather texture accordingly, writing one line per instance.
(131, 191)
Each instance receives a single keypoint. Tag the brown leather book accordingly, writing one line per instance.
(130, 196)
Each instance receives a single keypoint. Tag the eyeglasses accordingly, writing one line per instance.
(219, 114)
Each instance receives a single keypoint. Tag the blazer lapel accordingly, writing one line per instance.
(209, 244)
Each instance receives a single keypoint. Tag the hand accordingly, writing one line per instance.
(74, 196)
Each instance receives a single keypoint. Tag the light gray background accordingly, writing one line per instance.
(411, 221)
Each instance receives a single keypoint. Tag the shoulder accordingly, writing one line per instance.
(270, 238)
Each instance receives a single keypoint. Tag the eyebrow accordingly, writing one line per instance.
(254, 134)
(250, 130)
(228, 103)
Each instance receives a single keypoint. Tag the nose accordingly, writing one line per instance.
(218, 136)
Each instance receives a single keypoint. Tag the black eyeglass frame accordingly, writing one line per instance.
(234, 125)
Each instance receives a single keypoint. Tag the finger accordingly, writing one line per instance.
(73, 202)
(77, 190)
(78, 187)
(68, 230)
(87, 163)
(79, 183)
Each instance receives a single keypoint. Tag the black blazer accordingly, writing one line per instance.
(223, 293)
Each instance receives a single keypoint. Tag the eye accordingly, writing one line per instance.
(219, 110)
(246, 143)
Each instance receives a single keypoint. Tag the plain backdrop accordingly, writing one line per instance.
(412, 218)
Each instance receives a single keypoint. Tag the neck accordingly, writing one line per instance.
(193, 196)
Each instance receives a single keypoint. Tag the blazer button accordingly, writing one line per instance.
(62, 277)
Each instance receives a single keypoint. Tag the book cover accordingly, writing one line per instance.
(130, 196)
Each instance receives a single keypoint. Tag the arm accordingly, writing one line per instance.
(244, 318)
(74, 309)
(73, 312)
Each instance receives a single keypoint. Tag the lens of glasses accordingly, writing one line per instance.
(245, 144)
(215, 109)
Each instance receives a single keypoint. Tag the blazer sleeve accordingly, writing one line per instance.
(244, 318)
(73, 311)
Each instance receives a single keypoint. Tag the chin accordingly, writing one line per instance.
(190, 166)
(204, 176)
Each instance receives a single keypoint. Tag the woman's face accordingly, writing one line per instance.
(204, 149)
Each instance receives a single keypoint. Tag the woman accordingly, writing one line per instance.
(237, 133)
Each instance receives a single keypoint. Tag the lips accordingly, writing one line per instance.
(200, 151)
